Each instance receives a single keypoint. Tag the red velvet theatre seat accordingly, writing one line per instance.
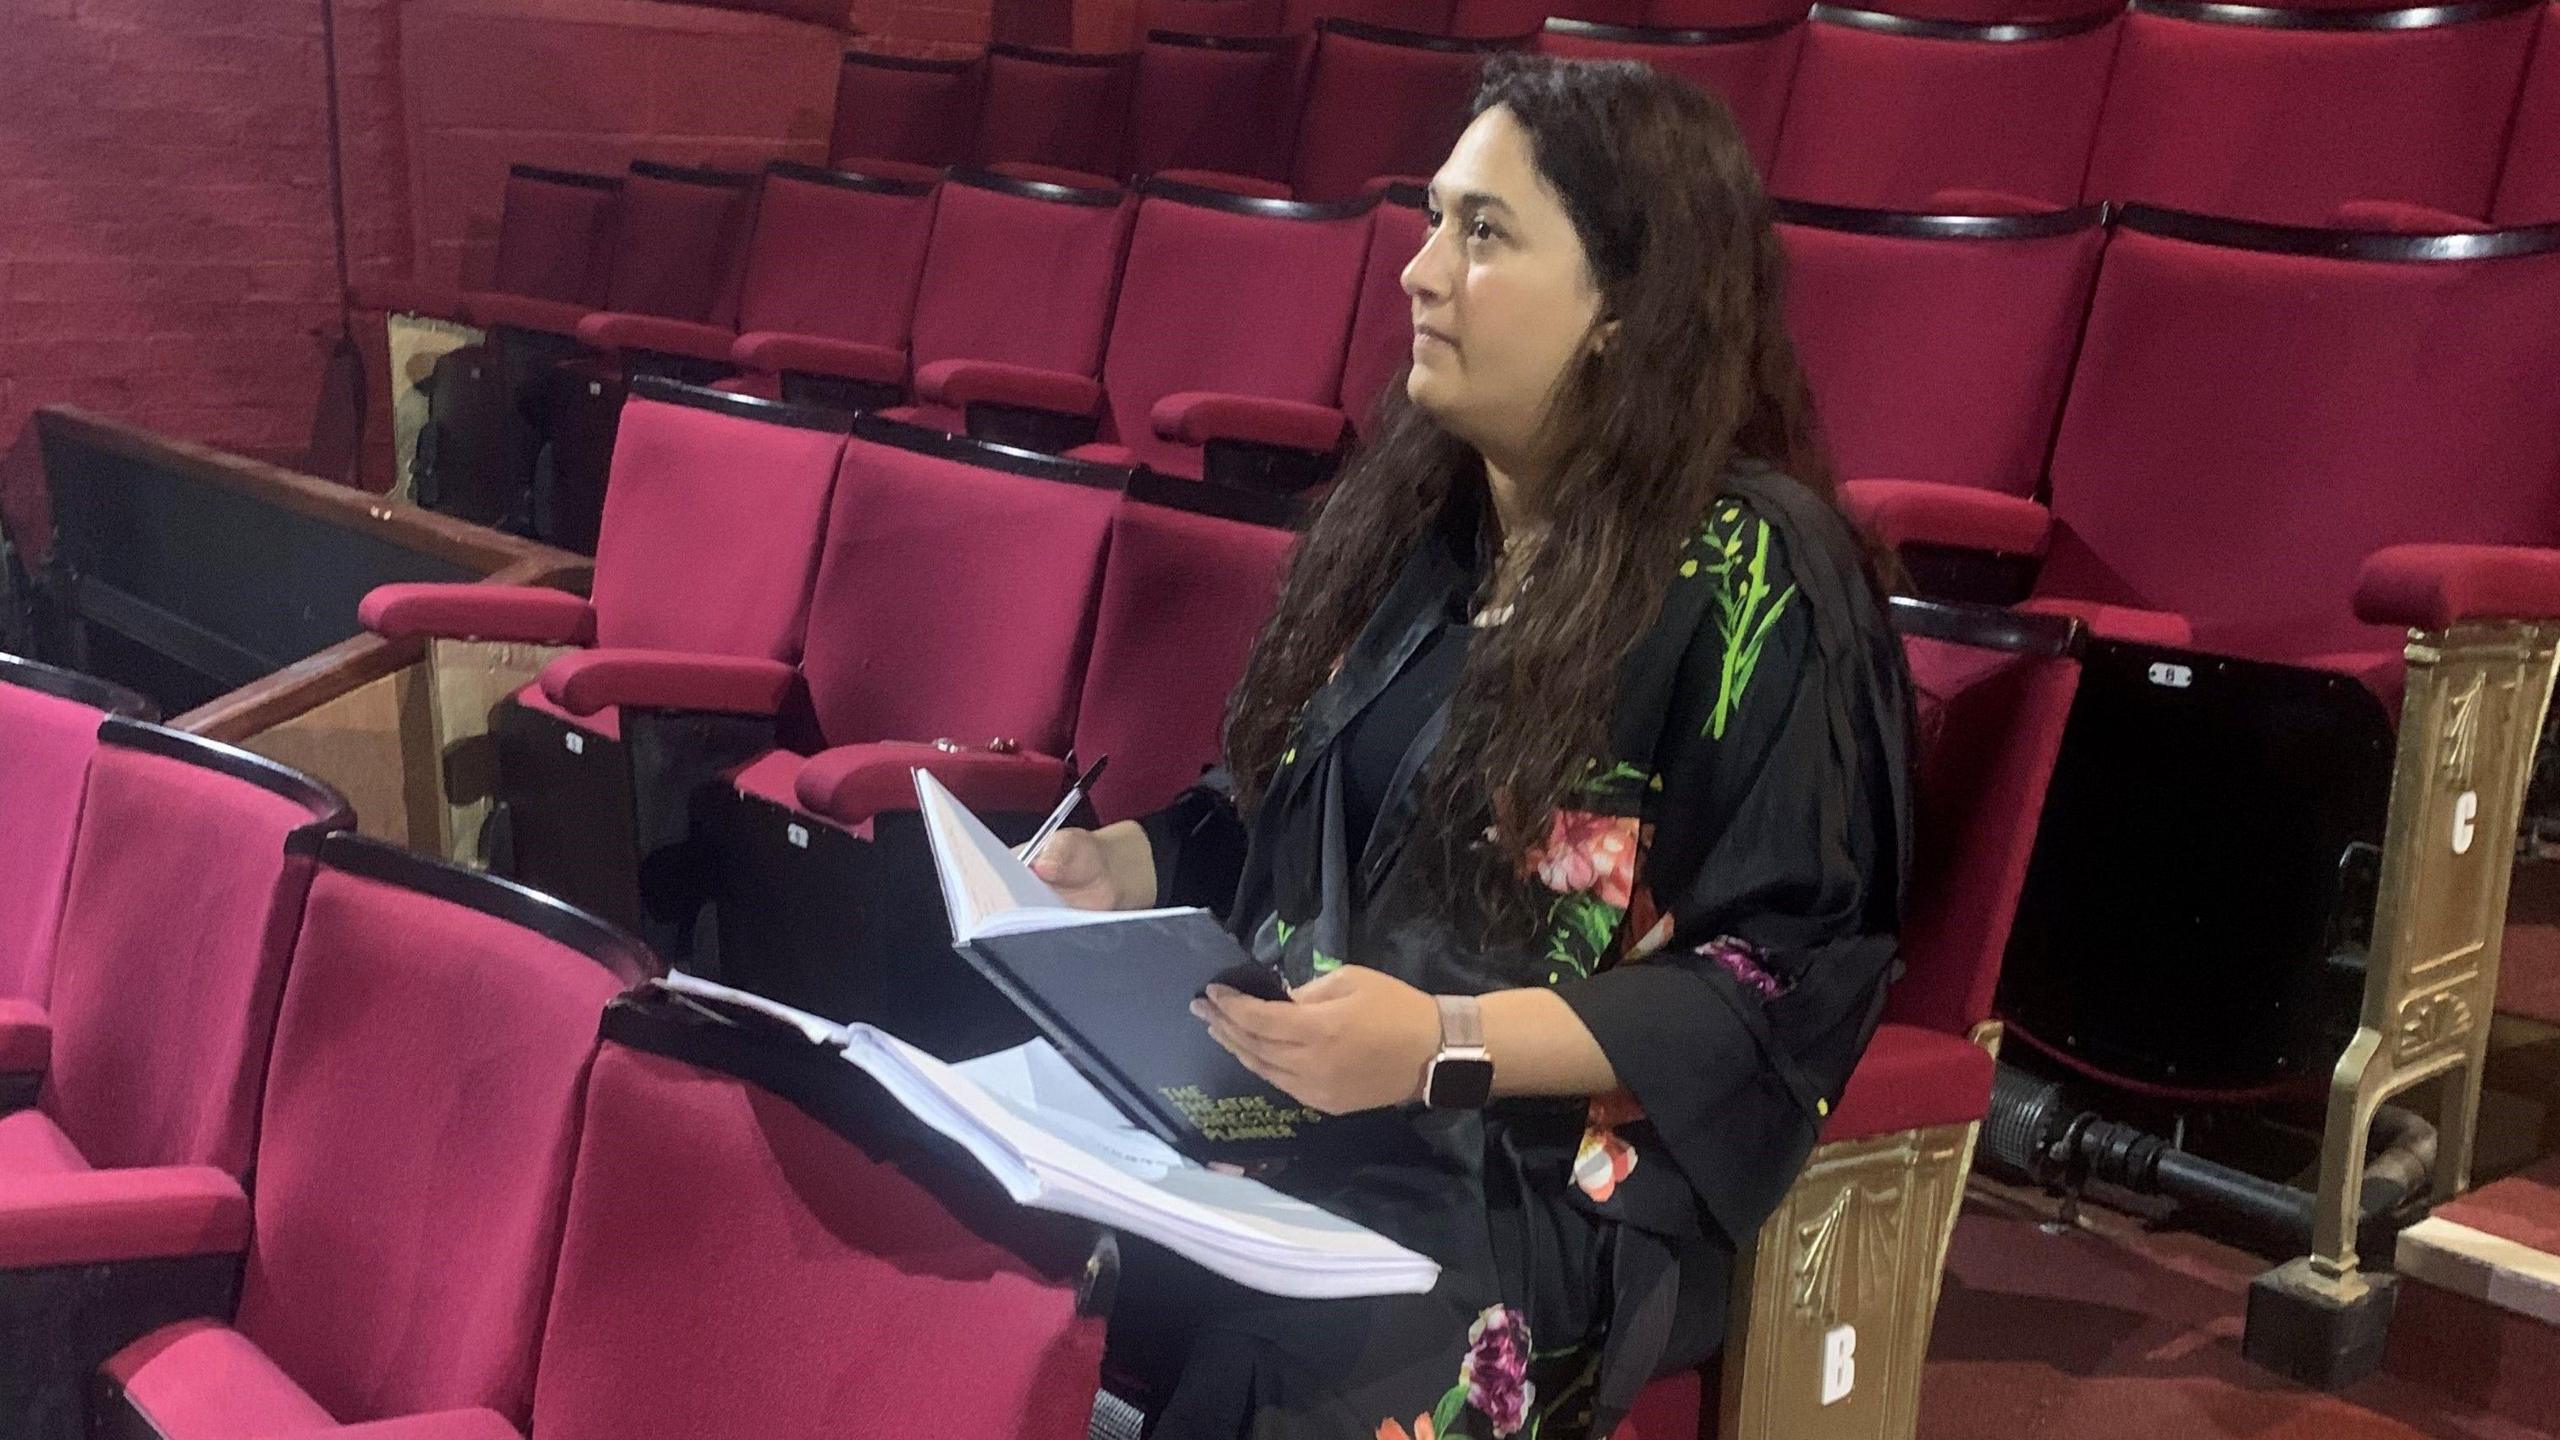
(1381, 102)
(1888, 112)
(186, 883)
(2284, 115)
(1748, 67)
(2529, 181)
(556, 231)
(48, 730)
(1226, 104)
(794, 1225)
(904, 109)
(420, 1122)
(677, 237)
(1938, 346)
(1060, 109)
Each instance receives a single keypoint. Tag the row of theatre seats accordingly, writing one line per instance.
(2258, 113)
(308, 1134)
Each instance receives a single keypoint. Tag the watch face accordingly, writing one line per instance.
(1458, 1083)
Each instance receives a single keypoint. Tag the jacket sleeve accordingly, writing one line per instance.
(1775, 868)
(1199, 844)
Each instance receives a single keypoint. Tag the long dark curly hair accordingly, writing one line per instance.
(1671, 215)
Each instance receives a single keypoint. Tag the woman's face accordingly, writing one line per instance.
(1503, 299)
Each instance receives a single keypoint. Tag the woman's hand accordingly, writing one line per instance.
(1107, 869)
(1352, 1040)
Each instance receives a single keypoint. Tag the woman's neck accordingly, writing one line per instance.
(1516, 511)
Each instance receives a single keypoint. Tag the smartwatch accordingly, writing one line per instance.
(1460, 1077)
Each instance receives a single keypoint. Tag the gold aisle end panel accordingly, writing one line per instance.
(468, 680)
(1832, 1311)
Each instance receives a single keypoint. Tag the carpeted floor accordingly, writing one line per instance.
(2113, 1333)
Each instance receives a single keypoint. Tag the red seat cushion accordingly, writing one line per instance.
(1911, 1078)
(45, 744)
(203, 1380)
(26, 1036)
(606, 722)
(1667, 1409)
(771, 777)
(31, 1144)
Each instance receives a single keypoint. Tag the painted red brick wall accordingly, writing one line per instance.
(166, 251)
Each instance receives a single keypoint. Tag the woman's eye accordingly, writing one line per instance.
(1481, 230)
(1430, 219)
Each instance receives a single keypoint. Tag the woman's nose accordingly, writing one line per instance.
(1424, 275)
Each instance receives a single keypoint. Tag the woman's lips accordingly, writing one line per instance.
(1425, 332)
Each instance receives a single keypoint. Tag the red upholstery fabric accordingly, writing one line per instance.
(1922, 512)
(954, 600)
(2121, 622)
(1750, 75)
(2384, 672)
(606, 722)
(1182, 598)
(45, 745)
(2434, 587)
(1497, 19)
(2283, 125)
(1052, 175)
(422, 1114)
(852, 783)
(678, 246)
(709, 1217)
(475, 1423)
(892, 108)
(1991, 731)
(2529, 182)
(834, 261)
(613, 330)
(2231, 405)
(1421, 17)
(1183, 323)
(1376, 108)
(1885, 120)
(960, 383)
(1248, 185)
(72, 1216)
(492, 311)
(26, 1036)
(1381, 344)
(31, 1144)
(1017, 280)
(203, 1380)
(1911, 1077)
(1231, 108)
(1667, 1409)
(1939, 359)
(174, 938)
(1055, 108)
(771, 777)
(555, 236)
(526, 614)
(1717, 14)
(1197, 417)
(710, 534)
(1215, 17)
(593, 680)
(2401, 217)
(773, 352)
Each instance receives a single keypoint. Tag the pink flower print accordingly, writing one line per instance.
(1605, 1158)
(1496, 1370)
(1587, 852)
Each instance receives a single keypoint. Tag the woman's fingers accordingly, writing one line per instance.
(1271, 1024)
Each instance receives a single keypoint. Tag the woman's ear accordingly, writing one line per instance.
(1603, 335)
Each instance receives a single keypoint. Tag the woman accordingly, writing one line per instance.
(1578, 742)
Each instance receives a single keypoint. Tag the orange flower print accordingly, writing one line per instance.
(1605, 1158)
(1589, 853)
(1390, 1430)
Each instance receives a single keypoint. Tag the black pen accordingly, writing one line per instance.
(1074, 797)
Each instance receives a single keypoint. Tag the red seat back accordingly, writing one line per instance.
(836, 254)
(1193, 573)
(2285, 115)
(850, 1281)
(1748, 67)
(1716, 14)
(1421, 17)
(956, 597)
(48, 730)
(1991, 722)
(1211, 102)
(186, 884)
(712, 520)
(421, 1117)
(1938, 347)
(1060, 108)
(1498, 19)
(555, 235)
(1382, 328)
(2529, 182)
(2249, 421)
(1214, 17)
(1021, 272)
(1888, 112)
(898, 107)
(1381, 102)
(678, 243)
(1185, 324)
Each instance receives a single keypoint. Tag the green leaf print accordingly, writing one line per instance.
(1579, 929)
(1618, 778)
(1444, 1419)
(1324, 964)
(1746, 609)
(1281, 930)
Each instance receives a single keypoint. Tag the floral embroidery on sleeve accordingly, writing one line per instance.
(1737, 558)
(1605, 1158)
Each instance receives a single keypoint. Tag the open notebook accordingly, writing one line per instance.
(1111, 990)
(1054, 1142)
